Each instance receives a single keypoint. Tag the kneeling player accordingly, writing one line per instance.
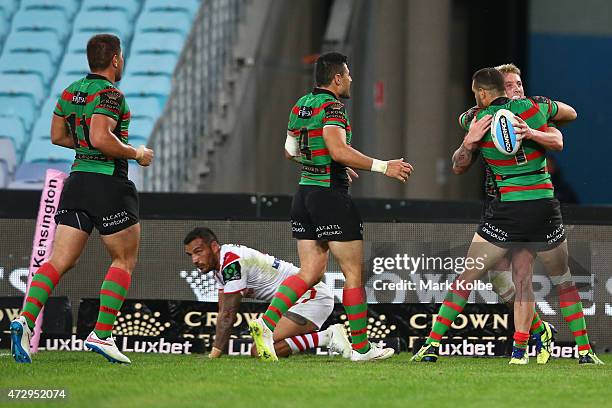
(246, 272)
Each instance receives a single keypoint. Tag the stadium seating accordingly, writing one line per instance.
(41, 20)
(164, 22)
(42, 51)
(152, 64)
(68, 7)
(145, 107)
(189, 7)
(35, 42)
(115, 22)
(128, 7)
(28, 63)
(155, 43)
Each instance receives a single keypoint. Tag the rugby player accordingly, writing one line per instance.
(323, 215)
(501, 274)
(92, 117)
(243, 272)
(525, 213)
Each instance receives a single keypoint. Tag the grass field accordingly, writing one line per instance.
(307, 381)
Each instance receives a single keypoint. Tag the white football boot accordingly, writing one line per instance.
(338, 341)
(106, 348)
(375, 353)
(262, 337)
(20, 340)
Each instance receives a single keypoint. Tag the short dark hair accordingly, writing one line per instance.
(489, 79)
(327, 66)
(201, 232)
(100, 50)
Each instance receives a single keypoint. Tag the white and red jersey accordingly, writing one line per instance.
(254, 274)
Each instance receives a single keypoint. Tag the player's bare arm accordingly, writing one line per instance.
(464, 156)
(335, 140)
(102, 137)
(60, 134)
(551, 138)
(565, 114)
(229, 304)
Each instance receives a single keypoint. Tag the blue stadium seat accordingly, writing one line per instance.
(12, 127)
(22, 84)
(42, 20)
(8, 154)
(62, 81)
(95, 22)
(28, 63)
(35, 41)
(42, 127)
(152, 64)
(74, 64)
(21, 106)
(164, 22)
(68, 7)
(146, 85)
(41, 150)
(129, 7)
(9, 6)
(31, 176)
(185, 6)
(144, 107)
(140, 128)
(156, 43)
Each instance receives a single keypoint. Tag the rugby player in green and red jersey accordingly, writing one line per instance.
(501, 273)
(92, 117)
(525, 213)
(323, 215)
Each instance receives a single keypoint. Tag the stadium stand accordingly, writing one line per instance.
(43, 46)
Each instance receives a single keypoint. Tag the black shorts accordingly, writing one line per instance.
(90, 200)
(535, 223)
(325, 214)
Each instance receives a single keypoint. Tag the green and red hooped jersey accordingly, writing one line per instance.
(306, 121)
(94, 94)
(522, 176)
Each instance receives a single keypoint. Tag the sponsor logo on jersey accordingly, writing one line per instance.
(231, 272)
(305, 112)
(79, 98)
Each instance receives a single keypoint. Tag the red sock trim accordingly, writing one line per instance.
(37, 302)
(41, 285)
(357, 316)
(119, 276)
(521, 337)
(463, 293)
(574, 316)
(579, 333)
(267, 319)
(109, 310)
(453, 306)
(584, 347)
(107, 292)
(536, 325)
(353, 296)
(359, 332)
(103, 327)
(296, 284)
(444, 320)
(435, 336)
(275, 310)
(49, 271)
(29, 316)
(315, 339)
(361, 345)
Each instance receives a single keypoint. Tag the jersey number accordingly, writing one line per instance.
(304, 146)
(73, 131)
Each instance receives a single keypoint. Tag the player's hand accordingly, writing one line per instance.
(522, 129)
(144, 156)
(352, 174)
(399, 169)
(478, 129)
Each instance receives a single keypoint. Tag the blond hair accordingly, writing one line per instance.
(508, 69)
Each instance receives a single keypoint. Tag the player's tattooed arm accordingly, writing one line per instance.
(463, 159)
(229, 307)
(464, 156)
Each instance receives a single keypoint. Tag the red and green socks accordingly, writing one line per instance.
(288, 293)
(354, 302)
(113, 291)
(43, 282)
(521, 340)
(537, 324)
(571, 309)
(453, 304)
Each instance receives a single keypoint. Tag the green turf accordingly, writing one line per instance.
(308, 381)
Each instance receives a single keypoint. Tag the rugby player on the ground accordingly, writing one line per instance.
(243, 272)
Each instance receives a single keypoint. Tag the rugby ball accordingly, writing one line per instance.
(502, 132)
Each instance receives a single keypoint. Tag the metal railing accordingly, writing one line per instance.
(185, 133)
